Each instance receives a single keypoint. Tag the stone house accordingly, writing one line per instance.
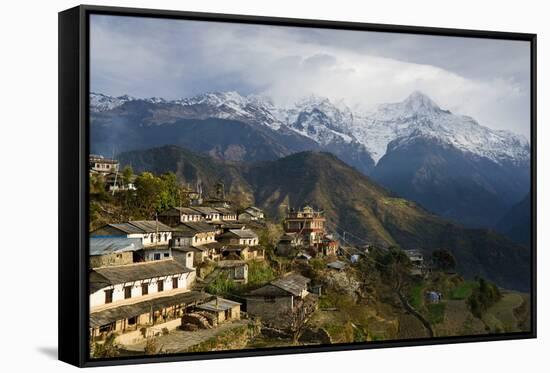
(236, 270)
(222, 309)
(109, 251)
(289, 243)
(284, 303)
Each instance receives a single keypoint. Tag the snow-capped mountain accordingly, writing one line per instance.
(325, 122)
(448, 163)
(100, 102)
(418, 116)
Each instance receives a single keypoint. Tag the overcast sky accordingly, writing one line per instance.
(146, 57)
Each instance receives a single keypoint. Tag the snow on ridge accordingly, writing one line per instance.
(319, 119)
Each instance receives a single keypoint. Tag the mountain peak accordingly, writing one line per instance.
(419, 101)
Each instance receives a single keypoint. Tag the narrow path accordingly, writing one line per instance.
(415, 313)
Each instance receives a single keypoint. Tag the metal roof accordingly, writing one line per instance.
(110, 245)
(140, 271)
(110, 315)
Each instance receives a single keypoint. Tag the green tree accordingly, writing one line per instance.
(127, 175)
(148, 194)
(443, 259)
(106, 349)
(394, 265)
(483, 297)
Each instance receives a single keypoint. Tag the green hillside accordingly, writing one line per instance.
(352, 202)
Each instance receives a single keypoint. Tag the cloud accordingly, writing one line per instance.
(486, 79)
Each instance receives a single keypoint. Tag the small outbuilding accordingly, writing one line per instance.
(222, 309)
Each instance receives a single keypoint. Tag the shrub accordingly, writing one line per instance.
(106, 349)
(483, 297)
(151, 346)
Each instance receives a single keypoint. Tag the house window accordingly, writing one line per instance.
(109, 296)
(127, 292)
(269, 299)
(151, 238)
(174, 282)
(160, 285)
(132, 320)
(107, 328)
(144, 288)
(166, 255)
(165, 237)
(156, 256)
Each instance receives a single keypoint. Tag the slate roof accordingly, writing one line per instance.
(231, 263)
(225, 211)
(177, 211)
(137, 271)
(110, 315)
(241, 233)
(151, 226)
(197, 226)
(125, 228)
(109, 245)
(218, 304)
(292, 283)
(206, 210)
(140, 227)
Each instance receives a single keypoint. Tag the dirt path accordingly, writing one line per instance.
(179, 340)
(413, 312)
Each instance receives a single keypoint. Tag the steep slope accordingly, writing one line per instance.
(448, 163)
(443, 179)
(516, 223)
(192, 169)
(140, 125)
(355, 204)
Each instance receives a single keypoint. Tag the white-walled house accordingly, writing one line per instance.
(227, 214)
(209, 214)
(194, 234)
(178, 215)
(151, 232)
(245, 237)
(115, 284)
(150, 295)
(251, 213)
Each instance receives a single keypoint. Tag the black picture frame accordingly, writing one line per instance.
(73, 181)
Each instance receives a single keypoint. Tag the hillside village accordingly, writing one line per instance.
(207, 274)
